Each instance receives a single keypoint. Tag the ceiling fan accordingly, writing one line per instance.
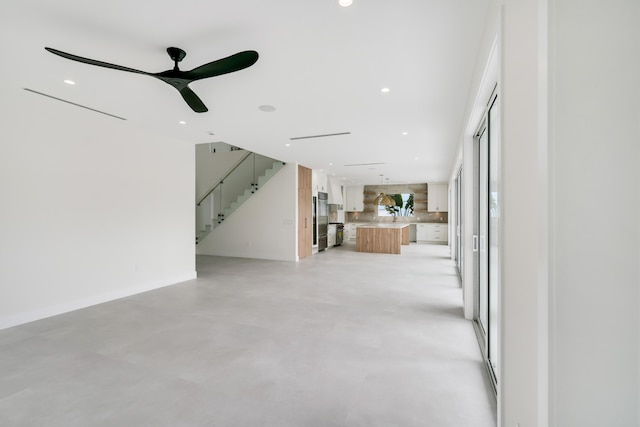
(181, 79)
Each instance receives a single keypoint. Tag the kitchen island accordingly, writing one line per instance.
(381, 238)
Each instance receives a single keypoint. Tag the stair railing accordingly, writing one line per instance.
(234, 187)
(212, 189)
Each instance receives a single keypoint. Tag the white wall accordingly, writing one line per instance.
(570, 282)
(595, 152)
(522, 228)
(264, 226)
(93, 209)
(486, 75)
(510, 59)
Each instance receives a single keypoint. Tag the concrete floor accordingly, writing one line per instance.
(340, 339)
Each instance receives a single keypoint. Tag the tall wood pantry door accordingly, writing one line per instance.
(304, 212)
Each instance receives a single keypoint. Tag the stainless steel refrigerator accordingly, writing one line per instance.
(323, 220)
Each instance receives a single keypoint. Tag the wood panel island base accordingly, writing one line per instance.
(381, 238)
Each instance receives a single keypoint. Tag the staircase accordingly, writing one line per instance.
(236, 187)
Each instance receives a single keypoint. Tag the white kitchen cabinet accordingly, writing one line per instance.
(319, 182)
(438, 233)
(349, 232)
(355, 198)
(331, 235)
(438, 198)
(421, 233)
(432, 233)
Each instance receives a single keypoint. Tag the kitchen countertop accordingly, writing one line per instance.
(381, 225)
(402, 224)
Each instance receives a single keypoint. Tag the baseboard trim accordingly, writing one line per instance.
(43, 313)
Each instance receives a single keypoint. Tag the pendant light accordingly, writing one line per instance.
(383, 199)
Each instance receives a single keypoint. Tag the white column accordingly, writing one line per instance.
(595, 152)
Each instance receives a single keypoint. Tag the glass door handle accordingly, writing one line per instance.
(475, 243)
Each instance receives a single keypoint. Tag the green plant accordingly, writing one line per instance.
(408, 207)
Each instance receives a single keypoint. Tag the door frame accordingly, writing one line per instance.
(486, 333)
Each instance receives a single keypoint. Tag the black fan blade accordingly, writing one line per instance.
(239, 61)
(192, 99)
(93, 61)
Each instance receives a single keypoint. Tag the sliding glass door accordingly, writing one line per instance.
(486, 229)
(459, 215)
(481, 236)
(493, 209)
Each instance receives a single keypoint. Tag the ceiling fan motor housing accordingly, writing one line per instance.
(176, 54)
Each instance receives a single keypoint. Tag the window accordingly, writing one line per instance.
(403, 207)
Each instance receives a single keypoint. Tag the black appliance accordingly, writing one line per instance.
(339, 232)
(314, 221)
(323, 220)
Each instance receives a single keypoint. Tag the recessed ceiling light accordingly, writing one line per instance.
(182, 122)
(385, 90)
(330, 164)
(287, 145)
(415, 158)
(405, 133)
(69, 82)
(345, 3)
(267, 108)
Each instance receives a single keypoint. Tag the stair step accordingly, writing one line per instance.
(226, 212)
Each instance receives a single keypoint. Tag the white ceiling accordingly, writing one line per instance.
(321, 65)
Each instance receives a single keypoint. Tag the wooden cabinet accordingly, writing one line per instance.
(382, 238)
(432, 233)
(304, 212)
(355, 198)
(438, 198)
